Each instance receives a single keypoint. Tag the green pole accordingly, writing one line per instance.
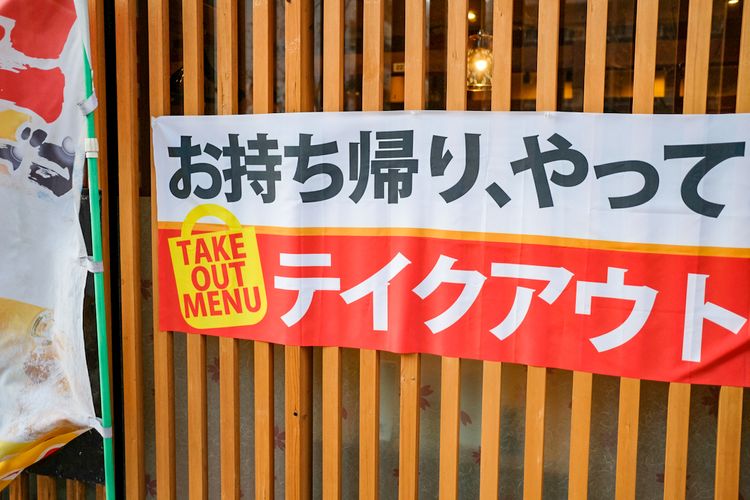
(101, 311)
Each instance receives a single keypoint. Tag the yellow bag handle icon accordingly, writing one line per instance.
(210, 294)
(208, 210)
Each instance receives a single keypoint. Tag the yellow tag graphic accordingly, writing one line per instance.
(218, 274)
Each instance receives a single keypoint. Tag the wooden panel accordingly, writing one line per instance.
(369, 361)
(627, 438)
(19, 488)
(728, 441)
(414, 59)
(489, 466)
(409, 412)
(75, 490)
(580, 436)
(264, 411)
(227, 71)
(546, 70)
(263, 55)
(675, 460)
(298, 360)
(46, 488)
(369, 423)
(533, 455)
(298, 418)
(455, 98)
(130, 246)
(502, 40)
(678, 407)
(630, 389)
(192, 49)
(158, 42)
(593, 102)
(743, 77)
(331, 423)
(536, 381)
(263, 102)
(333, 100)
(450, 407)
(101, 492)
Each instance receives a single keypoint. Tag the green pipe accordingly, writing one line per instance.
(101, 311)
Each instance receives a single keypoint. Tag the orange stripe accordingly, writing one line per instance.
(445, 234)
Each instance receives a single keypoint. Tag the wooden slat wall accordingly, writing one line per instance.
(130, 260)
(333, 100)
(593, 102)
(158, 42)
(298, 361)
(19, 488)
(46, 488)
(502, 30)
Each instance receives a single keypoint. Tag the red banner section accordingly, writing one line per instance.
(649, 312)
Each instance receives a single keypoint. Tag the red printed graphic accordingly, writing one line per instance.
(626, 313)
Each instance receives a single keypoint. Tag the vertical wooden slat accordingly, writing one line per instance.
(647, 16)
(450, 372)
(696, 87)
(192, 49)
(75, 490)
(369, 361)
(333, 100)
(408, 462)
(728, 440)
(101, 492)
(743, 75)
(158, 32)
(229, 364)
(536, 378)
(46, 488)
(298, 360)
(409, 411)
(593, 102)
(369, 422)
(264, 432)
(130, 245)
(263, 102)
(489, 467)
(19, 488)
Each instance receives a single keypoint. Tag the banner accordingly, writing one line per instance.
(44, 387)
(614, 244)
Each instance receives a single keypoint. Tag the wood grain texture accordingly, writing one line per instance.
(298, 420)
(743, 75)
(227, 71)
(455, 97)
(332, 423)
(627, 438)
(333, 100)
(372, 64)
(130, 246)
(192, 50)
(263, 55)
(19, 488)
(369, 423)
(450, 407)
(533, 455)
(644, 66)
(46, 488)
(158, 43)
(489, 466)
(414, 56)
(728, 443)
(264, 413)
(593, 102)
(678, 422)
(502, 52)
(101, 492)
(75, 490)
(547, 54)
(409, 412)
(298, 55)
